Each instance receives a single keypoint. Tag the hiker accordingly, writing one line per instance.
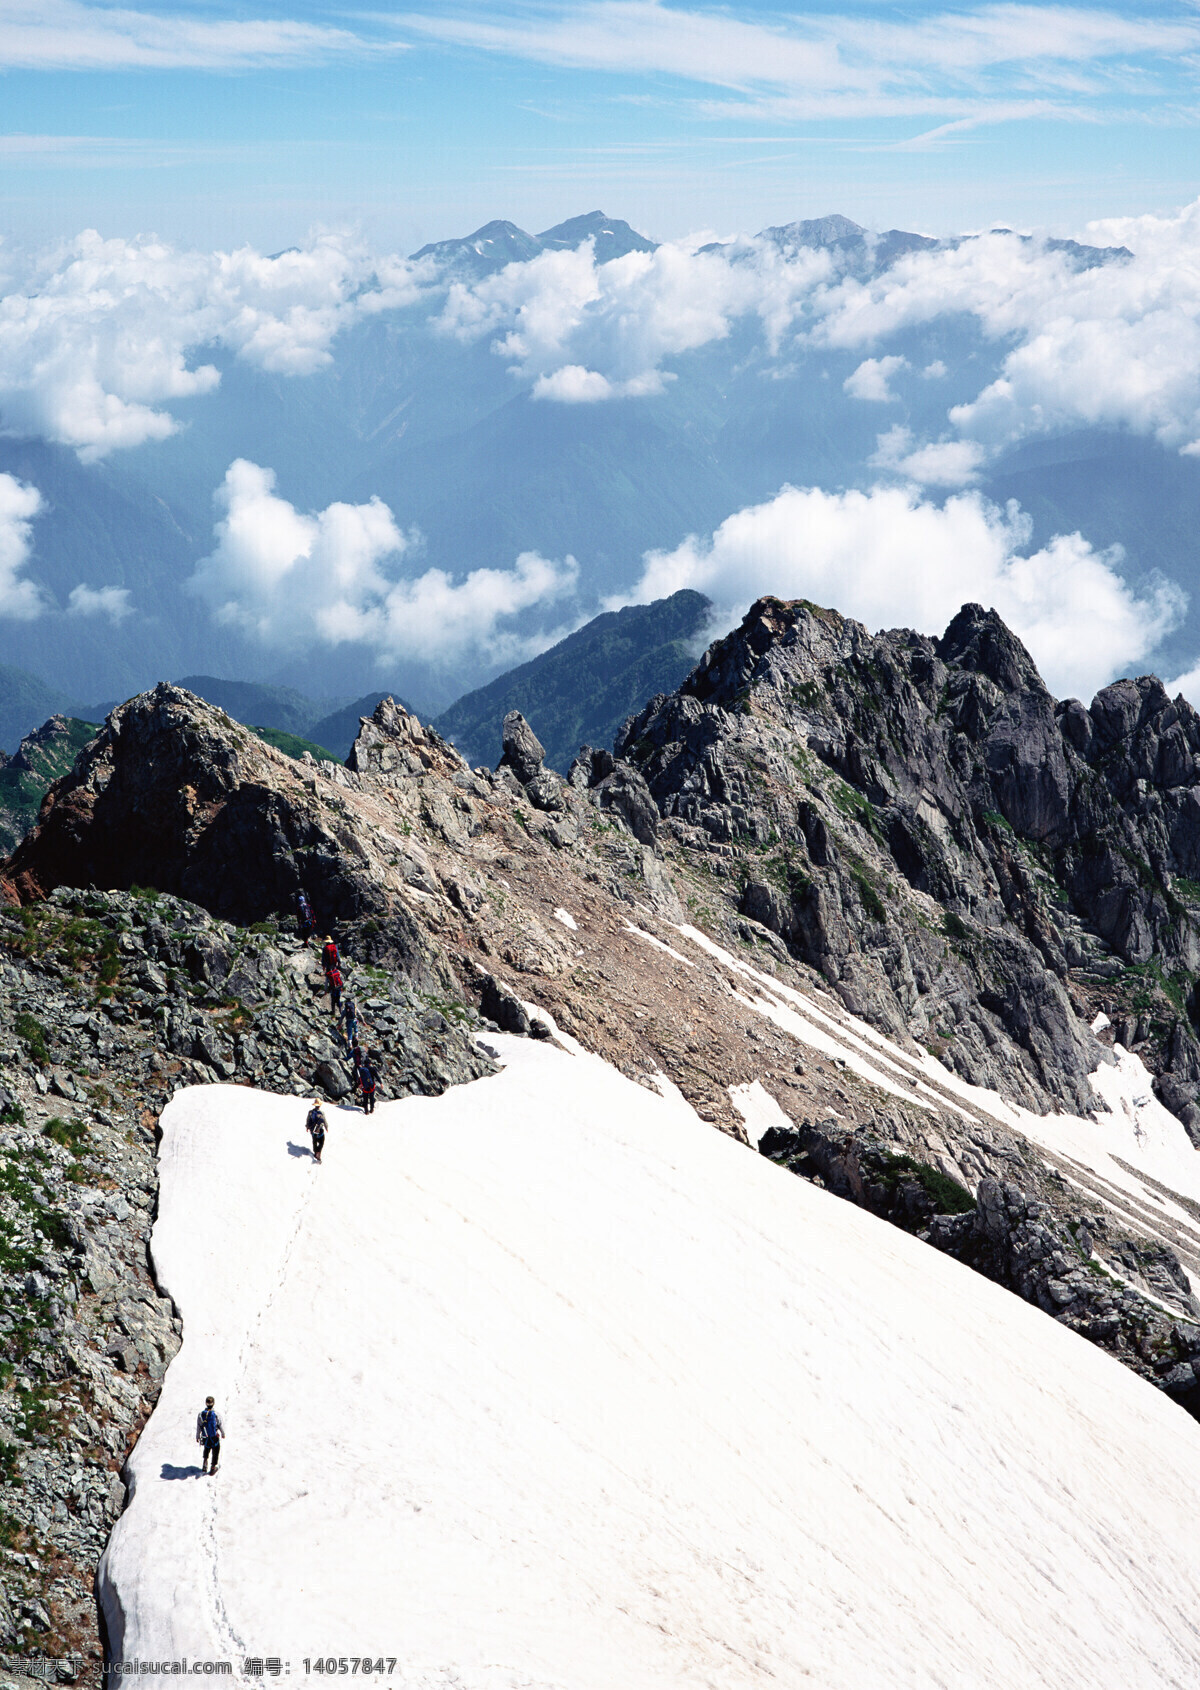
(334, 981)
(366, 1084)
(349, 1019)
(329, 955)
(308, 924)
(315, 1127)
(209, 1432)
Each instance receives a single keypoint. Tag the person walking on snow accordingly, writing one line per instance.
(366, 1081)
(315, 1127)
(209, 1432)
(334, 981)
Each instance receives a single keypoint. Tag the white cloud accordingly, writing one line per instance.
(573, 385)
(870, 380)
(291, 579)
(95, 336)
(891, 558)
(643, 35)
(566, 323)
(112, 602)
(1114, 346)
(19, 504)
(63, 34)
(939, 463)
(435, 617)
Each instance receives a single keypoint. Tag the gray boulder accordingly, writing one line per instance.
(524, 752)
(625, 792)
(545, 792)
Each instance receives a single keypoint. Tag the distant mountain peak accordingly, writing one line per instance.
(613, 237)
(499, 243)
(488, 249)
(834, 230)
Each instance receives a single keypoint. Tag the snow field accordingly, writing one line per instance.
(544, 1383)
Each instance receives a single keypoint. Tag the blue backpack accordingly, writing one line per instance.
(365, 1078)
(210, 1424)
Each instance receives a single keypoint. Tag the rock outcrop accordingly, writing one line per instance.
(966, 861)
(173, 794)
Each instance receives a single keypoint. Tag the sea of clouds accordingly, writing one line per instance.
(99, 337)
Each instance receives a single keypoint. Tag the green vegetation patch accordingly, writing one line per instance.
(293, 746)
(856, 806)
(946, 1194)
(34, 1035)
(871, 902)
(87, 947)
(72, 1135)
(1144, 977)
(45, 1224)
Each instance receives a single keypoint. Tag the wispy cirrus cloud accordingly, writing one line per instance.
(100, 152)
(994, 63)
(67, 35)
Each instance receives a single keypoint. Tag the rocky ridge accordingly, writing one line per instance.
(819, 825)
(966, 861)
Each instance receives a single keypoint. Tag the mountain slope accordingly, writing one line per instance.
(43, 757)
(581, 690)
(25, 703)
(886, 993)
(1058, 849)
(615, 1402)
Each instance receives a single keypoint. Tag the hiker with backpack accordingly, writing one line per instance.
(329, 955)
(366, 1085)
(209, 1432)
(308, 922)
(334, 981)
(315, 1127)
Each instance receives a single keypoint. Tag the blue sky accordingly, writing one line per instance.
(225, 122)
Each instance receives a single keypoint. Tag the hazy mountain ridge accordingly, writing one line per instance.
(499, 243)
(582, 689)
(469, 458)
